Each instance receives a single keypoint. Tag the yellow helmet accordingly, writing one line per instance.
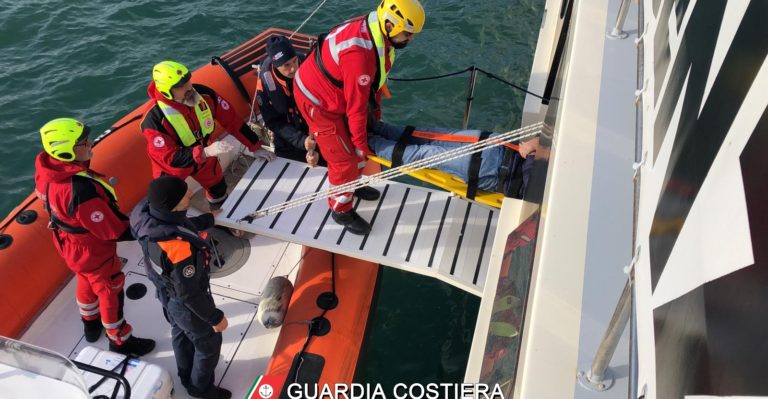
(60, 137)
(168, 74)
(405, 15)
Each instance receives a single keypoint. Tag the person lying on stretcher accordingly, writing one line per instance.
(502, 168)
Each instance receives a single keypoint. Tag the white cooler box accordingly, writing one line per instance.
(148, 381)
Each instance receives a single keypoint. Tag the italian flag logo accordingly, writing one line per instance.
(267, 387)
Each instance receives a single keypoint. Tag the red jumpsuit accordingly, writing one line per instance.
(84, 204)
(170, 157)
(338, 116)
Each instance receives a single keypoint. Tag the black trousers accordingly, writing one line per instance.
(196, 346)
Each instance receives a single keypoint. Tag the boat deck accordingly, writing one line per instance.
(415, 229)
(247, 345)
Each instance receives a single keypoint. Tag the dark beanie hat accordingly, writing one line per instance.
(166, 192)
(280, 50)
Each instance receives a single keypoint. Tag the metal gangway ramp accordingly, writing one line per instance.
(420, 230)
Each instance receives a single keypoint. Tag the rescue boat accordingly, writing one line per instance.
(33, 273)
(643, 139)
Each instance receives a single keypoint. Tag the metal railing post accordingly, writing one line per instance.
(618, 32)
(599, 377)
(470, 96)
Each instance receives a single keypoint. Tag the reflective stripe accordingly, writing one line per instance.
(180, 125)
(155, 267)
(339, 200)
(216, 200)
(85, 312)
(88, 306)
(112, 326)
(107, 186)
(267, 77)
(123, 338)
(335, 49)
(362, 163)
(188, 231)
(305, 91)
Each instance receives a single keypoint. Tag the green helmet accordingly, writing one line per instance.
(60, 137)
(168, 74)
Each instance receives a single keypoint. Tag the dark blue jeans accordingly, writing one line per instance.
(385, 136)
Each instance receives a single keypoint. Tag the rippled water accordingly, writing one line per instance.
(92, 60)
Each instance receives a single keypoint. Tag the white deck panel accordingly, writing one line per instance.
(246, 343)
(415, 229)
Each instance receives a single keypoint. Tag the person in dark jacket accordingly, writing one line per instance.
(86, 224)
(274, 92)
(176, 256)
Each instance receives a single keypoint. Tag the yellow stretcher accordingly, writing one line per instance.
(448, 182)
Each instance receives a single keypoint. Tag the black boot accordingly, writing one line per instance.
(367, 193)
(352, 221)
(213, 393)
(92, 329)
(133, 346)
(222, 393)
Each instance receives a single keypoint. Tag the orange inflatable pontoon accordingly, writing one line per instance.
(32, 272)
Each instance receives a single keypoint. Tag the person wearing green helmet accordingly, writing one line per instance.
(179, 125)
(86, 224)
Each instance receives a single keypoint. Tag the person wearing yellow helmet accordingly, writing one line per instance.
(86, 224)
(400, 20)
(179, 128)
(340, 85)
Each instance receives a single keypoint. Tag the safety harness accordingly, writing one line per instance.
(378, 47)
(55, 223)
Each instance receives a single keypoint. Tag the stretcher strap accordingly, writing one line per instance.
(455, 138)
(397, 152)
(474, 168)
(504, 170)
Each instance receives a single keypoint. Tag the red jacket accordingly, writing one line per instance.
(165, 149)
(358, 62)
(82, 203)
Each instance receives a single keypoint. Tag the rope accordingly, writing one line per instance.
(492, 76)
(425, 163)
(430, 77)
(486, 73)
(307, 20)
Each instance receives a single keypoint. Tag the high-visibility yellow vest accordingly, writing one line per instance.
(107, 186)
(180, 125)
(378, 39)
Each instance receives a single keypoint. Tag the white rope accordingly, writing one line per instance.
(500, 139)
(307, 20)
